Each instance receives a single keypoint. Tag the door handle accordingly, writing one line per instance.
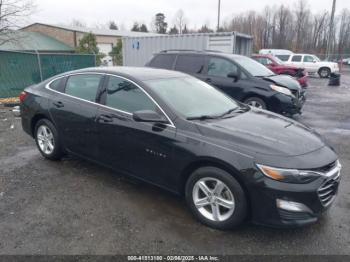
(58, 104)
(208, 80)
(105, 118)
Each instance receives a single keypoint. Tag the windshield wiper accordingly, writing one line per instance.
(234, 110)
(203, 117)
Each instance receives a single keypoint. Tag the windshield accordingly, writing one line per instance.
(277, 60)
(316, 58)
(191, 97)
(253, 67)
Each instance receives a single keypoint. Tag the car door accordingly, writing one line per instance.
(191, 64)
(74, 110)
(309, 63)
(140, 149)
(218, 69)
(296, 60)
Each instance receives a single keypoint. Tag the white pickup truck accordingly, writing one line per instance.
(313, 64)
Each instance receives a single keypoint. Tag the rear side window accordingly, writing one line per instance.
(57, 84)
(221, 67)
(83, 86)
(190, 64)
(283, 57)
(296, 58)
(163, 61)
(125, 96)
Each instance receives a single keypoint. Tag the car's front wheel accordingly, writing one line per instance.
(47, 141)
(324, 72)
(255, 102)
(216, 198)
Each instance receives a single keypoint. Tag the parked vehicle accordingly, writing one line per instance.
(313, 64)
(240, 77)
(278, 67)
(282, 54)
(177, 132)
(346, 61)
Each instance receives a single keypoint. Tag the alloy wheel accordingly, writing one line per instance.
(256, 104)
(213, 199)
(45, 139)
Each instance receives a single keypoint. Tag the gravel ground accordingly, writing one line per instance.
(75, 207)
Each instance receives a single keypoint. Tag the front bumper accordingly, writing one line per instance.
(287, 105)
(303, 81)
(314, 198)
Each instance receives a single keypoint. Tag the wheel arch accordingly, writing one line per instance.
(211, 162)
(35, 120)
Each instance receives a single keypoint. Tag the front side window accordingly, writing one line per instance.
(190, 64)
(296, 58)
(125, 96)
(308, 59)
(221, 67)
(83, 86)
(191, 97)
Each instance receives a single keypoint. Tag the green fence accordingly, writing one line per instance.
(19, 70)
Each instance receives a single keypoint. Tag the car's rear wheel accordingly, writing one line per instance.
(47, 141)
(324, 72)
(216, 198)
(255, 102)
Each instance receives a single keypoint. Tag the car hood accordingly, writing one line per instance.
(262, 132)
(328, 64)
(283, 80)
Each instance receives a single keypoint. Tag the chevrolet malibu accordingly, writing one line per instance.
(229, 160)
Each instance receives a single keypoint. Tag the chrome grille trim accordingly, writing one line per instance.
(328, 190)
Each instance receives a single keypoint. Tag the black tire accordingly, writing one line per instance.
(255, 100)
(56, 153)
(324, 72)
(240, 200)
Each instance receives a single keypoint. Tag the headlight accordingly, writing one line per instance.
(289, 175)
(282, 90)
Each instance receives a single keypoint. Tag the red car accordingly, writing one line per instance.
(278, 67)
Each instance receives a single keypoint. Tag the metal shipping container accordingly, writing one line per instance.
(137, 51)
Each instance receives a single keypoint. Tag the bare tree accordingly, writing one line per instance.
(301, 24)
(12, 16)
(180, 20)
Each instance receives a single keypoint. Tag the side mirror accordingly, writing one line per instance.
(149, 116)
(314, 61)
(234, 75)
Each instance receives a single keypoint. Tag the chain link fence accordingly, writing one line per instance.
(21, 69)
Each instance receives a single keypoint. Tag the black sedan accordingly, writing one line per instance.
(231, 161)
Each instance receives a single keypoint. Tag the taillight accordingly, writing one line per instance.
(22, 96)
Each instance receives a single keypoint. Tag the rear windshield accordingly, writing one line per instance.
(164, 61)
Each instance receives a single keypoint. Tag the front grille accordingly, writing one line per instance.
(328, 190)
(296, 93)
(326, 168)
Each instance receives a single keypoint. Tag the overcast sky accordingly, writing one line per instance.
(125, 12)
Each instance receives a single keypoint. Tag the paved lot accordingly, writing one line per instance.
(75, 207)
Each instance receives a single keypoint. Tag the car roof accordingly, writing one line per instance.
(198, 52)
(140, 73)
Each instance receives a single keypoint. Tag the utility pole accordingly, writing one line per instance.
(331, 31)
(219, 9)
